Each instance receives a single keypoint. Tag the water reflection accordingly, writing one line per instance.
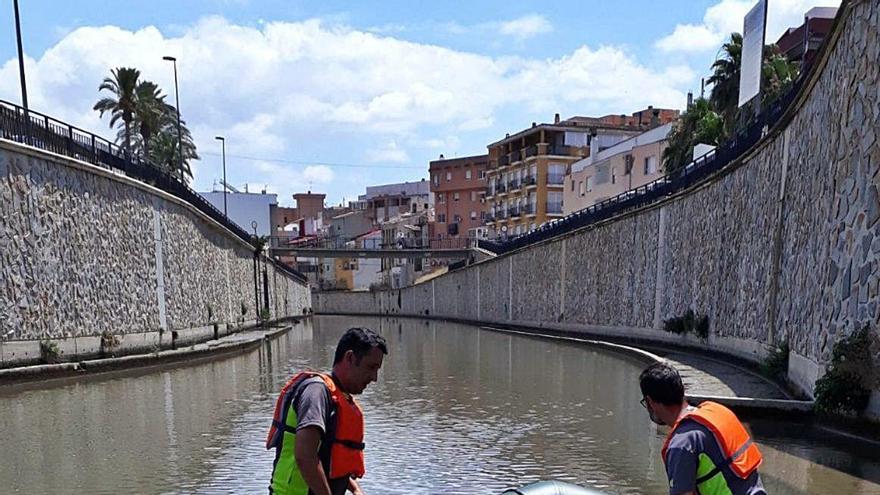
(456, 410)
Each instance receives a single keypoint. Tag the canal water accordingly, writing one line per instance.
(456, 410)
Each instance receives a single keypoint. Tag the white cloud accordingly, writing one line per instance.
(268, 89)
(526, 26)
(320, 174)
(391, 152)
(727, 16)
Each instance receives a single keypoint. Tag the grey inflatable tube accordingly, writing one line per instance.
(551, 488)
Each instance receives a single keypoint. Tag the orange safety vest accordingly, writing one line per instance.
(345, 435)
(741, 453)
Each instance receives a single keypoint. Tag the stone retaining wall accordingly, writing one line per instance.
(783, 248)
(84, 250)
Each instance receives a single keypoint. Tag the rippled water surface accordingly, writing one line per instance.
(456, 410)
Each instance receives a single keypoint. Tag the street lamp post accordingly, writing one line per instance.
(177, 101)
(223, 153)
(24, 100)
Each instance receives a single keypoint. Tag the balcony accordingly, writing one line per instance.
(513, 185)
(528, 209)
(530, 181)
(560, 150)
(554, 208)
(555, 179)
(531, 151)
(514, 212)
(489, 219)
(515, 156)
(500, 215)
(500, 188)
(503, 161)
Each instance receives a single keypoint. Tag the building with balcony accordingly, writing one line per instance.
(526, 172)
(390, 200)
(800, 44)
(612, 171)
(459, 189)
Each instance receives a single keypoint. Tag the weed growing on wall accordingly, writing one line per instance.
(687, 323)
(49, 353)
(776, 364)
(847, 383)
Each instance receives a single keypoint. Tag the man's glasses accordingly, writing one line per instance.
(644, 403)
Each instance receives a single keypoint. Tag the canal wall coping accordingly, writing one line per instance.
(781, 247)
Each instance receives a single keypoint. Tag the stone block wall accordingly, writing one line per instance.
(83, 251)
(784, 247)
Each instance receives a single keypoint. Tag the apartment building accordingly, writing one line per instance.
(624, 166)
(526, 173)
(459, 189)
(389, 200)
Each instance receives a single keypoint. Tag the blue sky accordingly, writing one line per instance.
(335, 96)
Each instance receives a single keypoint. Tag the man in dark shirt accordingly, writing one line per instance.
(708, 451)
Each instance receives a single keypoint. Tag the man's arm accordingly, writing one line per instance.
(354, 487)
(308, 440)
(681, 469)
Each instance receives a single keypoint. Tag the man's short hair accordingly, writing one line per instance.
(360, 341)
(662, 383)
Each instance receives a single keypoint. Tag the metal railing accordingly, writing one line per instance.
(528, 209)
(515, 156)
(503, 161)
(530, 180)
(44, 132)
(513, 185)
(696, 171)
(554, 208)
(531, 151)
(347, 243)
(513, 212)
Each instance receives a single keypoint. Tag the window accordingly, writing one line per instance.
(482, 174)
(554, 202)
(589, 184)
(457, 218)
(650, 165)
(581, 188)
(473, 215)
(436, 180)
(441, 218)
(572, 186)
(614, 175)
(483, 215)
(455, 196)
(441, 197)
(467, 174)
(448, 176)
(556, 173)
(473, 195)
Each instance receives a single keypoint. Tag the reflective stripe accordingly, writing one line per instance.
(717, 469)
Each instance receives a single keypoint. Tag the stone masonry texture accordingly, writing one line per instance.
(783, 248)
(78, 256)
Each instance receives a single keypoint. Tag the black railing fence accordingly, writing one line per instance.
(44, 132)
(347, 243)
(697, 170)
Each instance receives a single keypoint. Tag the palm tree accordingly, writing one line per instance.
(725, 81)
(699, 124)
(121, 105)
(151, 113)
(164, 151)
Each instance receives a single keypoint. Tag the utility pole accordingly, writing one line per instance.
(24, 100)
(177, 106)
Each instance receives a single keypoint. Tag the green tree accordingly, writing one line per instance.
(121, 105)
(699, 124)
(164, 151)
(777, 76)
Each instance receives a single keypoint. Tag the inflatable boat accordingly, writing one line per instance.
(551, 488)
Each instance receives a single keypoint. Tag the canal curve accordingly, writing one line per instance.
(456, 410)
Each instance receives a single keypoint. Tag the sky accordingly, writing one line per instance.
(333, 96)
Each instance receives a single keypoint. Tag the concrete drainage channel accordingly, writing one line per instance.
(231, 344)
(745, 404)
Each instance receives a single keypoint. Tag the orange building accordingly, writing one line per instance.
(459, 188)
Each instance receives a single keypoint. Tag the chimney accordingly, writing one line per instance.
(534, 124)
(690, 99)
(441, 156)
(594, 144)
(556, 119)
(655, 118)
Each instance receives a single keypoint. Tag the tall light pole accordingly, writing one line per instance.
(20, 57)
(177, 101)
(223, 153)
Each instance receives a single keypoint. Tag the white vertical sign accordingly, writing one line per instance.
(752, 52)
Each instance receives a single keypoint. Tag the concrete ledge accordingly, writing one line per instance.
(803, 372)
(194, 354)
(583, 334)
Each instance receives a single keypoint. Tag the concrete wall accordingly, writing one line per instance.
(783, 248)
(84, 250)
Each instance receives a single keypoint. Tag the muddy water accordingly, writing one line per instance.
(456, 410)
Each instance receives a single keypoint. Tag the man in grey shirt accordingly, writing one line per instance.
(708, 450)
